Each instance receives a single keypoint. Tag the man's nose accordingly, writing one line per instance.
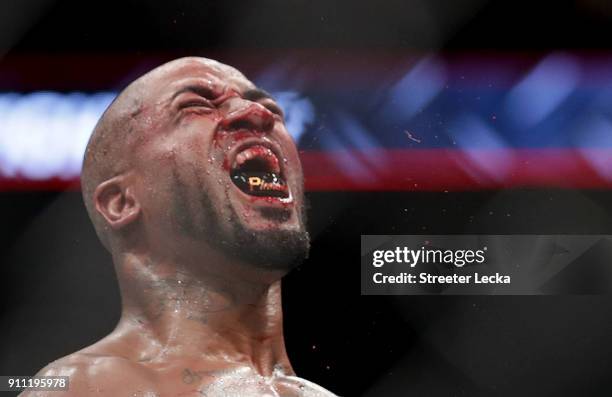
(245, 114)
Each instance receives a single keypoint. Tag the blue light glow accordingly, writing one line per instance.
(542, 91)
(44, 134)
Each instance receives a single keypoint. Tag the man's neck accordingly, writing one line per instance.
(174, 313)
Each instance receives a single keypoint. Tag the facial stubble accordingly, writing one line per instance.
(275, 249)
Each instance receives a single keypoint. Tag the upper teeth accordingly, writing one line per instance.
(258, 151)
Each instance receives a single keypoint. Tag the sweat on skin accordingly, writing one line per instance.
(198, 257)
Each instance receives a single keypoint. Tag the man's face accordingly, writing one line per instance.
(219, 166)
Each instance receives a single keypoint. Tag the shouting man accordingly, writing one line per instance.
(195, 187)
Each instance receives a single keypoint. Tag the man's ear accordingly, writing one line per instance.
(116, 202)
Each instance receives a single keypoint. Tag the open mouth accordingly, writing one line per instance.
(256, 171)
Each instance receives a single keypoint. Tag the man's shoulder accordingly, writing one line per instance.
(89, 364)
(293, 385)
(88, 371)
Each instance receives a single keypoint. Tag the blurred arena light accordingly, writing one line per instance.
(299, 112)
(432, 123)
(472, 135)
(543, 89)
(595, 134)
(417, 88)
(43, 135)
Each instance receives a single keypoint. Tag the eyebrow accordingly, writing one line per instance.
(253, 94)
(194, 88)
(256, 94)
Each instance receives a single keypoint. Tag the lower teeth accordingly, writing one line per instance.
(260, 183)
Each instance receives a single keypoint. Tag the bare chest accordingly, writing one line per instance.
(241, 382)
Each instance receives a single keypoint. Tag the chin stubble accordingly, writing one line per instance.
(272, 250)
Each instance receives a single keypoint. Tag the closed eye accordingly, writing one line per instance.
(199, 90)
(195, 96)
(195, 102)
(274, 109)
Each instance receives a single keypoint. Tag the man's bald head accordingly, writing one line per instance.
(120, 128)
(160, 169)
(106, 153)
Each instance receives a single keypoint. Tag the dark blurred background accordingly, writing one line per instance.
(471, 65)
